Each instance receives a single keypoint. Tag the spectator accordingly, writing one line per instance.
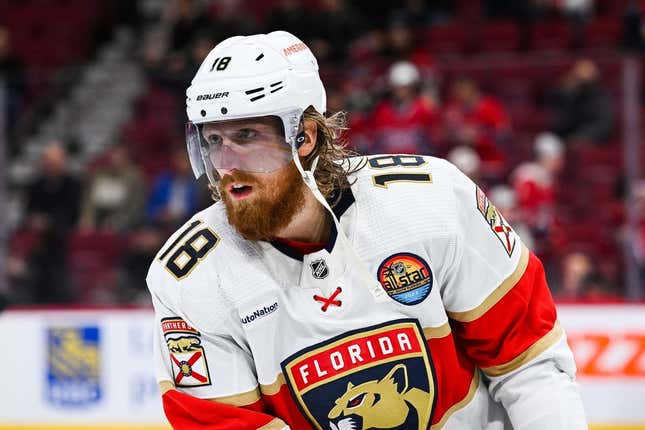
(403, 121)
(415, 12)
(638, 242)
(467, 160)
(52, 210)
(53, 197)
(228, 16)
(535, 181)
(334, 27)
(496, 9)
(115, 196)
(144, 245)
(401, 45)
(187, 18)
(291, 16)
(505, 201)
(12, 81)
(583, 110)
(174, 195)
(477, 120)
(576, 267)
(632, 37)
(577, 10)
(581, 280)
(152, 57)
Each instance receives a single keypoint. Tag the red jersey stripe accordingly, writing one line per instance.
(513, 323)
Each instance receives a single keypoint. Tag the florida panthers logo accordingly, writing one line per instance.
(387, 403)
(380, 377)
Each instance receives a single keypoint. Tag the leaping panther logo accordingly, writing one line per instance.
(388, 403)
(183, 344)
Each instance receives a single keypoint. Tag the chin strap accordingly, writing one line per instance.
(310, 181)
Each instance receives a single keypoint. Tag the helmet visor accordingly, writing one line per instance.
(256, 145)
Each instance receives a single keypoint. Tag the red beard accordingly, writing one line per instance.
(274, 202)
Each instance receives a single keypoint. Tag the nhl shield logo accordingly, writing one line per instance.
(379, 377)
(319, 269)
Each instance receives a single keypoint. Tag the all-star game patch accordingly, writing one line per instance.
(496, 222)
(378, 377)
(406, 278)
(187, 355)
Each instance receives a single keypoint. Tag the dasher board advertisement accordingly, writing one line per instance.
(89, 369)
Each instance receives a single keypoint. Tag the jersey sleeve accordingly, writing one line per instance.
(206, 380)
(503, 316)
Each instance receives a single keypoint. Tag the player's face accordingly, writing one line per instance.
(258, 205)
(254, 145)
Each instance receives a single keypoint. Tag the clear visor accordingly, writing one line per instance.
(256, 145)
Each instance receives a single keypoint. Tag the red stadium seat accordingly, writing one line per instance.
(448, 39)
(551, 35)
(603, 34)
(496, 36)
(92, 259)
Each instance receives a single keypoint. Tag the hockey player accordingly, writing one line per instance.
(329, 292)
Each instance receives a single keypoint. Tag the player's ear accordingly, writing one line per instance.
(311, 133)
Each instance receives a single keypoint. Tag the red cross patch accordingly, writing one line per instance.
(189, 366)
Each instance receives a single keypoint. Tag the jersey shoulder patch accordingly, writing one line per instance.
(187, 355)
(496, 222)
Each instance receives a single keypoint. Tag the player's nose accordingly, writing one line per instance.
(227, 159)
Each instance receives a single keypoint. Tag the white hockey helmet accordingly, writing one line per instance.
(254, 76)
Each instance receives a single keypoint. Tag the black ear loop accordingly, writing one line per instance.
(300, 137)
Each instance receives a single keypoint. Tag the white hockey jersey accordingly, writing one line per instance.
(466, 338)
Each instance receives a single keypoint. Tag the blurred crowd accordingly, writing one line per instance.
(90, 238)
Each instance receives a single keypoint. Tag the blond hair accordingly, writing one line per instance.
(334, 167)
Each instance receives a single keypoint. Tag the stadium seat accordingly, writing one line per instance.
(498, 36)
(93, 258)
(448, 39)
(603, 34)
(550, 35)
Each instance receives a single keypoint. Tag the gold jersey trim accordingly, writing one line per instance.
(165, 386)
(529, 354)
(274, 424)
(474, 383)
(497, 294)
(273, 388)
(437, 332)
(242, 399)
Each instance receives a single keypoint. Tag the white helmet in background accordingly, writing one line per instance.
(264, 75)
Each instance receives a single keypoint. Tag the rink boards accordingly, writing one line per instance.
(91, 369)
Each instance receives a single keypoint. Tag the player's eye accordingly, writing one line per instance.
(247, 133)
(356, 401)
(214, 139)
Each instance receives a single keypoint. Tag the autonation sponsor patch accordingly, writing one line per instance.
(260, 313)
